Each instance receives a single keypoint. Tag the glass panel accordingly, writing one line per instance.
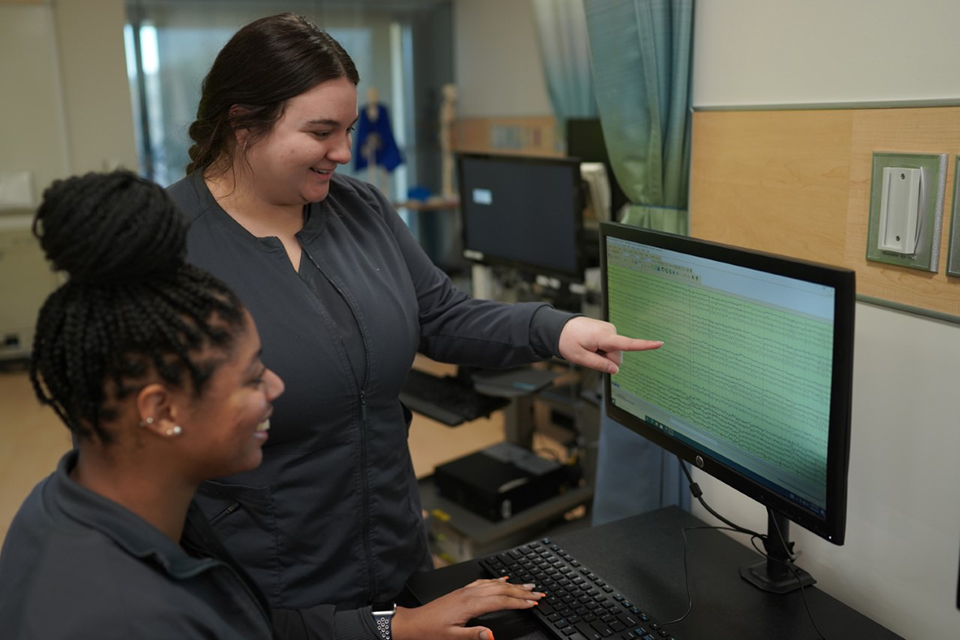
(179, 41)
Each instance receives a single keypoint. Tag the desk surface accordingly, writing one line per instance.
(649, 571)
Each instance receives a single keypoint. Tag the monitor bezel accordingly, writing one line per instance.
(573, 164)
(833, 526)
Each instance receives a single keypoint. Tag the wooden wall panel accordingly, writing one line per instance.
(532, 136)
(798, 183)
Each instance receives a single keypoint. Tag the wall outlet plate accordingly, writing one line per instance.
(953, 256)
(934, 174)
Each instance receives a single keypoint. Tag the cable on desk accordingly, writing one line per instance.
(796, 575)
(754, 536)
(686, 579)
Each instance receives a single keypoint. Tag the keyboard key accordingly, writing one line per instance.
(588, 631)
(602, 628)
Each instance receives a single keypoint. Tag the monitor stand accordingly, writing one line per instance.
(776, 573)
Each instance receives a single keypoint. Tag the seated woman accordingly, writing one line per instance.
(154, 366)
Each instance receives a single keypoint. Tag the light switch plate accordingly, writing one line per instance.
(899, 210)
(953, 256)
(934, 173)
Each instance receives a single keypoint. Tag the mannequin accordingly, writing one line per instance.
(376, 149)
(448, 117)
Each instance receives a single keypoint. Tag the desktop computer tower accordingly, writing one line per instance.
(501, 480)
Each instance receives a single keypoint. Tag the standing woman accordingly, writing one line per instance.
(344, 298)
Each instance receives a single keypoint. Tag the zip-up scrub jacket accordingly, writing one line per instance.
(77, 565)
(333, 514)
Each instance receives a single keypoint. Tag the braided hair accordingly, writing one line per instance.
(131, 308)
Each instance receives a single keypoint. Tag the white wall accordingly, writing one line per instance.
(96, 92)
(900, 563)
(759, 52)
(497, 62)
(65, 104)
(32, 127)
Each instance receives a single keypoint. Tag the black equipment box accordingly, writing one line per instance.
(501, 480)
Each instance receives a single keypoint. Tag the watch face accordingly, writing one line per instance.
(384, 608)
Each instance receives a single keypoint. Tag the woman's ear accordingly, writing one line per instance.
(240, 134)
(159, 410)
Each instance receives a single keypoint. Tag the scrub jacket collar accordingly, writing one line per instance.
(129, 531)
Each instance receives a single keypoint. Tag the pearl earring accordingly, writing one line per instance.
(175, 431)
(146, 421)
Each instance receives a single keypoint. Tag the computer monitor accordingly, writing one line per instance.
(523, 212)
(585, 141)
(753, 383)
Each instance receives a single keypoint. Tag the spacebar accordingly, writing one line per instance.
(431, 410)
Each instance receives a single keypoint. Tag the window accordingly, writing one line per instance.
(172, 44)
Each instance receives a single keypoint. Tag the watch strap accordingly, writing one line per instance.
(383, 619)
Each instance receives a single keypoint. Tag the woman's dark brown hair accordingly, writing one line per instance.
(264, 64)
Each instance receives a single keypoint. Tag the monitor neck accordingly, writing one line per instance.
(777, 573)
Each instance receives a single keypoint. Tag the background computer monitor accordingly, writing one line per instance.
(523, 212)
(585, 141)
(753, 384)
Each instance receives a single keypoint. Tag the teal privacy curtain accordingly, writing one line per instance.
(641, 54)
(562, 36)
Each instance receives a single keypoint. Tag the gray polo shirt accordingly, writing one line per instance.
(77, 565)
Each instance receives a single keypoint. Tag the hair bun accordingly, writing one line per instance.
(110, 228)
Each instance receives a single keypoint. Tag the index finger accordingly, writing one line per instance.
(498, 588)
(623, 343)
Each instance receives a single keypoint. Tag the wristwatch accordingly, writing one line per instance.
(383, 617)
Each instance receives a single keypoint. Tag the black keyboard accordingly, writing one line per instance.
(447, 399)
(579, 604)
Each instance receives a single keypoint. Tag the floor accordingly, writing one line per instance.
(33, 439)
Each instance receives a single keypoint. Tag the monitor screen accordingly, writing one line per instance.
(754, 380)
(523, 212)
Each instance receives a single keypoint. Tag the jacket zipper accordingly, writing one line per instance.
(362, 384)
(233, 507)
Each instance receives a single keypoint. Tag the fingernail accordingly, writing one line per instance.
(529, 586)
(533, 602)
(488, 635)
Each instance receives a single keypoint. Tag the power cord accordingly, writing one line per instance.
(686, 578)
(806, 605)
(697, 493)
